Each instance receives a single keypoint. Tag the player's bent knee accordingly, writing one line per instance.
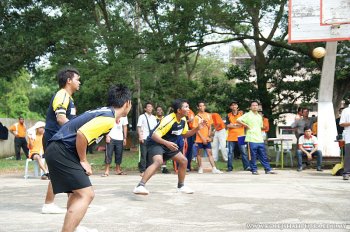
(183, 161)
(158, 161)
(90, 195)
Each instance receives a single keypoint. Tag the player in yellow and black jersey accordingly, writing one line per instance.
(66, 153)
(62, 108)
(60, 111)
(163, 144)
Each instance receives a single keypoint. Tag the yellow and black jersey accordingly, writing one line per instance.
(92, 123)
(61, 103)
(159, 118)
(170, 129)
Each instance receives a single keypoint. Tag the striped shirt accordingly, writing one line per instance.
(308, 143)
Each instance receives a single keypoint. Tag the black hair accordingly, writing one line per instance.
(147, 103)
(233, 102)
(118, 95)
(177, 104)
(20, 117)
(307, 128)
(254, 101)
(201, 101)
(64, 74)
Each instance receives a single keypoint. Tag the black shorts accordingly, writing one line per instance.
(157, 149)
(66, 172)
(32, 156)
(203, 146)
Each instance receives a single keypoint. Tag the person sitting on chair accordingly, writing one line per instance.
(35, 144)
(308, 146)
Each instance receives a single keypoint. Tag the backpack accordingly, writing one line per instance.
(4, 132)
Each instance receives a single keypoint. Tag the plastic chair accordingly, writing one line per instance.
(287, 147)
(37, 169)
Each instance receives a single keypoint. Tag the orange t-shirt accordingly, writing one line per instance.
(266, 124)
(37, 145)
(217, 122)
(189, 116)
(233, 133)
(205, 131)
(20, 130)
(314, 128)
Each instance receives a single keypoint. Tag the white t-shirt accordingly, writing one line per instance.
(117, 131)
(142, 122)
(345, 117)
(308, 144)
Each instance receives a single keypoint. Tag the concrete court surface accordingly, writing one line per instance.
(238, 201)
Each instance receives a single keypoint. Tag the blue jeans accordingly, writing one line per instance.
(317, 153)
(231, 147)
(257, 151)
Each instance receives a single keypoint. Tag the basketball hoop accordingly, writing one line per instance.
(335, 25)
(337, 21)
(335, 29)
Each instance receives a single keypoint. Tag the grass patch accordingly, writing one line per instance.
(129, 163)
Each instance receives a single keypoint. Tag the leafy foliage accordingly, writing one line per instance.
(155, 47)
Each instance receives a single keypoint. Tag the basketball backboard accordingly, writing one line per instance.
(311, 22)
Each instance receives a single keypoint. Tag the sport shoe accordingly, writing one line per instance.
(84, 229)
(270, 172)
(185, 189)
(216, 171)
(255, 173)
(200, 170)
(52, 209)
(45, 176)
(346, 177)
(141, 190)
(299, 169)
(319, 169)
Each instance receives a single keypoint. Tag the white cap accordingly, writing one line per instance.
(38, 125)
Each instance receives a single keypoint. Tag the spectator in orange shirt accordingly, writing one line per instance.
(203, 137)
(19, 131)
(190, 140)
(235, 130)
(314, 128)
(219, 140)
(35, 142)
